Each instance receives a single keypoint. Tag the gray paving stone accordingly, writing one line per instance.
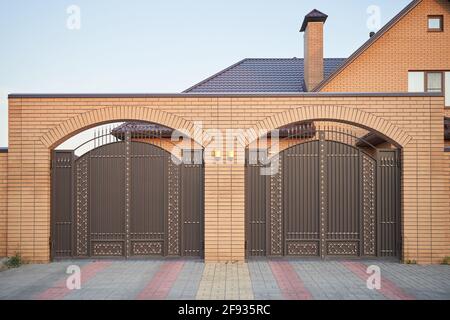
(322, 279)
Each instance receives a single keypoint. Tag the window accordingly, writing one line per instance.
(416, 82)
(434, 82)
(435, 23)
(430, 81)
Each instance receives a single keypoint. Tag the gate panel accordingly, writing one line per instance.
(301, 200)
(343, 208)
(148, 190)
(126, 198)
(328, 198)
(256, 206)
(62, 220)
(192, 209)
(107, 191)
(389, 230)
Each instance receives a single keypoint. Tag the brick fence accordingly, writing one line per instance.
(413, 122)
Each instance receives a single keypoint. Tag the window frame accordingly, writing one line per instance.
(442, 81)
(441, 21)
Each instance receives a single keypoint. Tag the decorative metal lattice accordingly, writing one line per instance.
(302, 248)
(369, 212)
(127, 191)
(276, 210)
(342, 248)
(107, 249)
(323, 204)
(147, 248)
(173, 208)
(82, 190)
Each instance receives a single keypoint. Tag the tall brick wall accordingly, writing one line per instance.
(36, 125)
(3, 201)
(384, 66)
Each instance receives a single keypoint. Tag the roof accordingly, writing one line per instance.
(369, 42)
(141, 130)
(313, 16)
(262, 75)
(375, 139)
(370, 139)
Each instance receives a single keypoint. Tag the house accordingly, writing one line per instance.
(313, 157)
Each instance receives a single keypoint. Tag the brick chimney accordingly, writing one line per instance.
(313, 64)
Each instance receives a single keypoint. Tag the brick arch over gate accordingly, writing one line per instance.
(341, 114)
(93, 118)
(347, 115)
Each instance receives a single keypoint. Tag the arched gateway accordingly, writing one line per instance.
(330, 192)
(127, 197)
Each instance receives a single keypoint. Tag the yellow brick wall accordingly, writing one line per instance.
(38, 124)
(3, 201)
(384, 66)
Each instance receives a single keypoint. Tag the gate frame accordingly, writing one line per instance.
(127, 140)
(320, 136)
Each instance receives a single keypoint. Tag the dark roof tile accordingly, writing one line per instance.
(141, 130)
(261, 75)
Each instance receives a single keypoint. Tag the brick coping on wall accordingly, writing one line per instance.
(219, 95)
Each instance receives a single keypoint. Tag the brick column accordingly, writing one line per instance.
(224, 212)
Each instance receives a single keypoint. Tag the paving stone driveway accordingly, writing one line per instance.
(259, 279)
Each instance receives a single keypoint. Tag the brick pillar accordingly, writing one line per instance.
(224, 212)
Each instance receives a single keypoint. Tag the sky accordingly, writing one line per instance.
(160, 46)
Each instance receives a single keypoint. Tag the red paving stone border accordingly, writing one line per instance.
(290, 284)
(60, 290)
(159, 286)
(388, 288)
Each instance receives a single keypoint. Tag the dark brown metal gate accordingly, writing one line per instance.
(328, 198)
(125, 199)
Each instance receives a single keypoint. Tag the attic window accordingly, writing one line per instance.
(436, 23)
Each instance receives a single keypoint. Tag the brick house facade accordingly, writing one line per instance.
(369, 90)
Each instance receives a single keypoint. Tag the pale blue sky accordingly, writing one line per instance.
(155, 46)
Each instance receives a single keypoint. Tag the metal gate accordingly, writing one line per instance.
(125, 199)
(328, 198)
